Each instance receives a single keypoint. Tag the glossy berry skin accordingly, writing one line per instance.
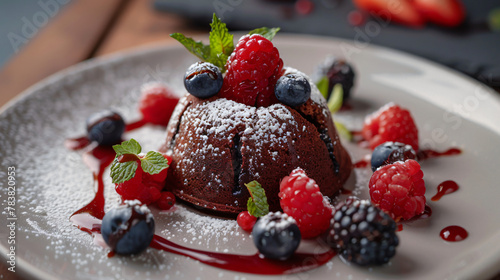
(252, 71)
(203, 79)
(292, 90)
(276, 236)
(338, 71)
(128, 229)
(166, 201)
(105, 127)
(390, 123)
(399, 189)
(390, 152)
(362, 233)
(246, 221)
(157, 103)
(301, 199)
(143, 186)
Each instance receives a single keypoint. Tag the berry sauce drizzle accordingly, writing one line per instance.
(445, 188)
(361, 164)
(425, 154)
(135, 125)
(453, 233)
(89, 219)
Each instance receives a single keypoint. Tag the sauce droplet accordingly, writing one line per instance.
(444, 188)
(453, 233)
(360, 164)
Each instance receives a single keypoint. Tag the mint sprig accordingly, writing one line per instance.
(336, 98)
(266, 32)
(199, 49)
(124, 167)
(257, 204)
(322, 86)
(221, 43)
(217, 52)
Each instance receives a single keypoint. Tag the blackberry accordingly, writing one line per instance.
(390, 152)
(338, 71)
(362, 233)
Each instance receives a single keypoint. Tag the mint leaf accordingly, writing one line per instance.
(127, 147)
(221, 43)
(123, 171)
(124, 167)
(199, 49)
(343, 131)
(266, 32)
(257, 204)
(153, 163)
(323, 86)
(336, 98)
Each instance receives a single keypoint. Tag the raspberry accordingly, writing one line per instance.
(162, 176)
(302, 200)
(166, 201)
(246, 221)
(157, 103)
(143, 186)
(362, 233)
(252, 71)
(399, 189)
(390, 123)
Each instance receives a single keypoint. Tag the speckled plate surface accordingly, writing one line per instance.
(52, 182)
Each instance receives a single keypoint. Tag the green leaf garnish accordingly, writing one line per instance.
(153, 163)
(266, 32)
(494, 19)
(123, 171)
(127, 147)
(124, 167)
(217, 52)
(199, 49)
(323, 86)
(343, 131)
(221, 43)
(336, 98)
(257, 204)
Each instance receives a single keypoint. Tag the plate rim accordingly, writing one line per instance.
(487, 269)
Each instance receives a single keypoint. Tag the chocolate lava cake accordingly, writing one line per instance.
(218, 145)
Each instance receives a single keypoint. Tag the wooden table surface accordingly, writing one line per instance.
(82, 30)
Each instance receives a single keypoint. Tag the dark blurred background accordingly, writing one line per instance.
(41, 37)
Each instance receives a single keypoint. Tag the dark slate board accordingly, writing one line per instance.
(471, 48)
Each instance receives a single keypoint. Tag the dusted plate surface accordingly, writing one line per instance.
(52, 182)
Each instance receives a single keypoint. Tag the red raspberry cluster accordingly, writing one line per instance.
(252, 71)
(147, 188)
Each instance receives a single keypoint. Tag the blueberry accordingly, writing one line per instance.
(292, 89)
(128, 229)
(203, 80)
(276, 236)
(390, 152)
(105, 127)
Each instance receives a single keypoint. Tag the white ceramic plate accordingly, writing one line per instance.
(52, 182)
